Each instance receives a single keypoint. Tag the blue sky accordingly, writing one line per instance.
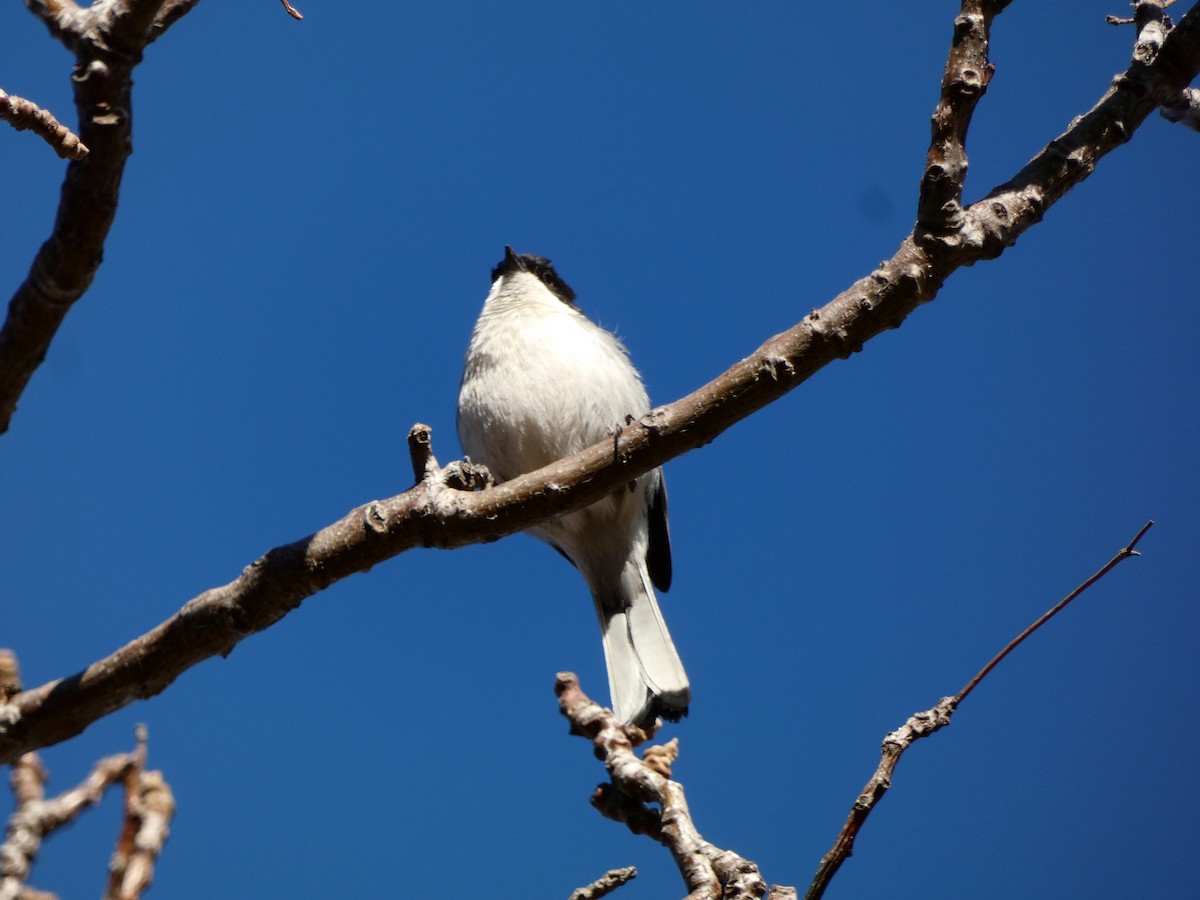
(305, 237)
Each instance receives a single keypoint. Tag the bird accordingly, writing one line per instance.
(541, 382)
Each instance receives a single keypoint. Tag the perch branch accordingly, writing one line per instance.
(436, 513)
(925, 723)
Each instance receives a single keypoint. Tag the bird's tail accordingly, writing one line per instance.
(645, 676)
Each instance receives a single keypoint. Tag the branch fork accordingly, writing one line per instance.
(709, 872)
(149, 806)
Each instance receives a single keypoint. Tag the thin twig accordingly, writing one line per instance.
(22, 115)
(291, 10)
(923, 724)
(1123, 554)
(605, 884)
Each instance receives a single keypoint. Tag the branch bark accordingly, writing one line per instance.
(437, 513)
(709, 872)
(22, 115)
(605, 884)
(149, 806)
(108, 39)
(966, 78)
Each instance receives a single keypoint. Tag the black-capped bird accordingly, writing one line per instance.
(542, 382)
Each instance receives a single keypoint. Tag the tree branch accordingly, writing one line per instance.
(923, 724)
(709, 872)
(66, 20)
(23, 837)
(22, 115)
(435, 513)
(171, 11)
(605, 884)
(968, 72)
(1000, 218)
(108, 39)
(148, 809)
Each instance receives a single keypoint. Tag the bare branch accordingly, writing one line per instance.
(65, 19)
(1000, 218)
(25, 115)
(149, 806)
(107, 38)
(1146, 8)
(925, 723)
(709, 872)
(605, 884)
(171, 11)
(420, 452)
(1123, 554)
(67, 806)
(35, 817)
(1152, 26)
(23, 837)
(291, 10)
(124, 26)
(968, 72)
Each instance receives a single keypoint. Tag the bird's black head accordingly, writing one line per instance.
(539, 267)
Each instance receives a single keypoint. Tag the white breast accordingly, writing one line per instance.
(541, 381)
